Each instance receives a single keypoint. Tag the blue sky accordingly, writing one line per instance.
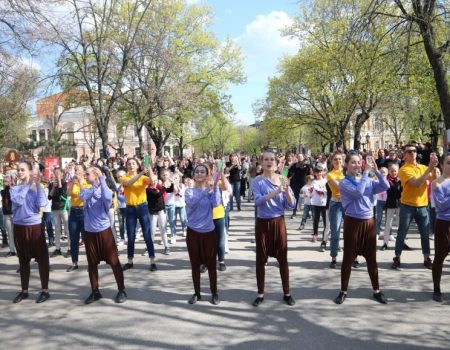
(255, 27)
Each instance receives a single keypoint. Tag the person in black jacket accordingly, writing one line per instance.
(57, 194)
(392, 202)
(7, 213)
(234, 167)
(156, 208)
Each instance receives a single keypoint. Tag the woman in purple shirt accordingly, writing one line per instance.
(272, 197)
(357, 196)
(27, 199)
(99, 240)
(441, 194)
(201, 239)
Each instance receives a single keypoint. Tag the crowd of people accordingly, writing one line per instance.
(102, 203)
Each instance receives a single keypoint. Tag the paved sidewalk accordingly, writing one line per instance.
(157, 314)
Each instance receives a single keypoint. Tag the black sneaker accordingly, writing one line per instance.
(10, 254)
(127, 266)
(395, 263)
(19, 297)
(43, 296)
(384, 247)
(301, 227)
(340, 298)
(196, 297)
(166, 251)
(121, 296)
(215, 299)
(203, 268)
(437, 296)
(323, 245)
(406, 247)
(72, 268)
(356, 264)
(56, 253)
(153, 267)
(258, 301)
(380, 297)
(333, 264)
(289, 300)
(222, 266)
(428, 263)
(94, 296)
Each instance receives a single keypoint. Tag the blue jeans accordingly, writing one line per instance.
(381, 205)
(219, 225)
(2, 228)
(432, 213)
(227, 216)
(181, 212)
(306, 210)
(122, 215)
(335, 213)
(406, 215)
(76, 227)
(236, 185)
(171, 220)
(133, 214)
(47, 223)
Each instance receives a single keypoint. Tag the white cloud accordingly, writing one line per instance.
(263, 44)
(193, 2)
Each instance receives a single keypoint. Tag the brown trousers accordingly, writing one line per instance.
(359, 239)
(441, 250)
(30, 243)
(202, 249)
(101, 246)
(271, 240)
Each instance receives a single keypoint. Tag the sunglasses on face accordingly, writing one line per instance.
(200, 172)
(269, 159)
(410, 151)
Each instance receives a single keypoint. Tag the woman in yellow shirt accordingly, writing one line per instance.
(336, 211)
(134, 184)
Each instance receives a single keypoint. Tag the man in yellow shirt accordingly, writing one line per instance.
(414, 203)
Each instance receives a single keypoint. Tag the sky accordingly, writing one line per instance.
(255, 27)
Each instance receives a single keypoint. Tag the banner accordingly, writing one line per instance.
(50, 164)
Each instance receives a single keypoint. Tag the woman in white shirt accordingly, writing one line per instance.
(319, 201)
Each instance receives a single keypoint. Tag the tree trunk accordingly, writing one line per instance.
(360, 120)
(180, 146)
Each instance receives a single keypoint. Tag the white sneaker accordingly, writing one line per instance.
(121, 242)
(173, 240)
(184, 233)
(392, 238)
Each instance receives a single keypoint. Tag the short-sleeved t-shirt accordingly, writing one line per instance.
(411, 195)
(335, 175)
(136, 193)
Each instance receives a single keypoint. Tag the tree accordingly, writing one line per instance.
(430, 19)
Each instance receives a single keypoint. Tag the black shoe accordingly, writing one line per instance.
(196, 297)
(153, 267)
(380, 297)
(94, 296)
(289, 300)
(395, 263)
(43, 296)
(258, 301)
(19, 297)
(56, 253)
(333, 264)
(222, 266)
(127, 266)
(10, 254)
(355, 264)
(239, 209)
(121, 296)
(340, 298)
(293, 216)
(203, 268)
(406, 247)
(323, 245)
(384, 247)
(215, 299)
(437, 296)
(72, 268)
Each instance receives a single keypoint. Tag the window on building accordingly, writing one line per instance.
(33, 135)
(137, 151)
(377, 145)
(42, 135)
(386, 144)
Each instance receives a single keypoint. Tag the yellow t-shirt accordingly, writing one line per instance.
(218, 212)
(75, 200)
(135, 194)
(335, 175)
(411, 195)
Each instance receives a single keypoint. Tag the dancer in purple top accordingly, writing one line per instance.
(272, 197)
(27, 199)
(357, 195)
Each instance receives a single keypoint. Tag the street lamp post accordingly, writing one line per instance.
(437, 127)
(368, 141)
